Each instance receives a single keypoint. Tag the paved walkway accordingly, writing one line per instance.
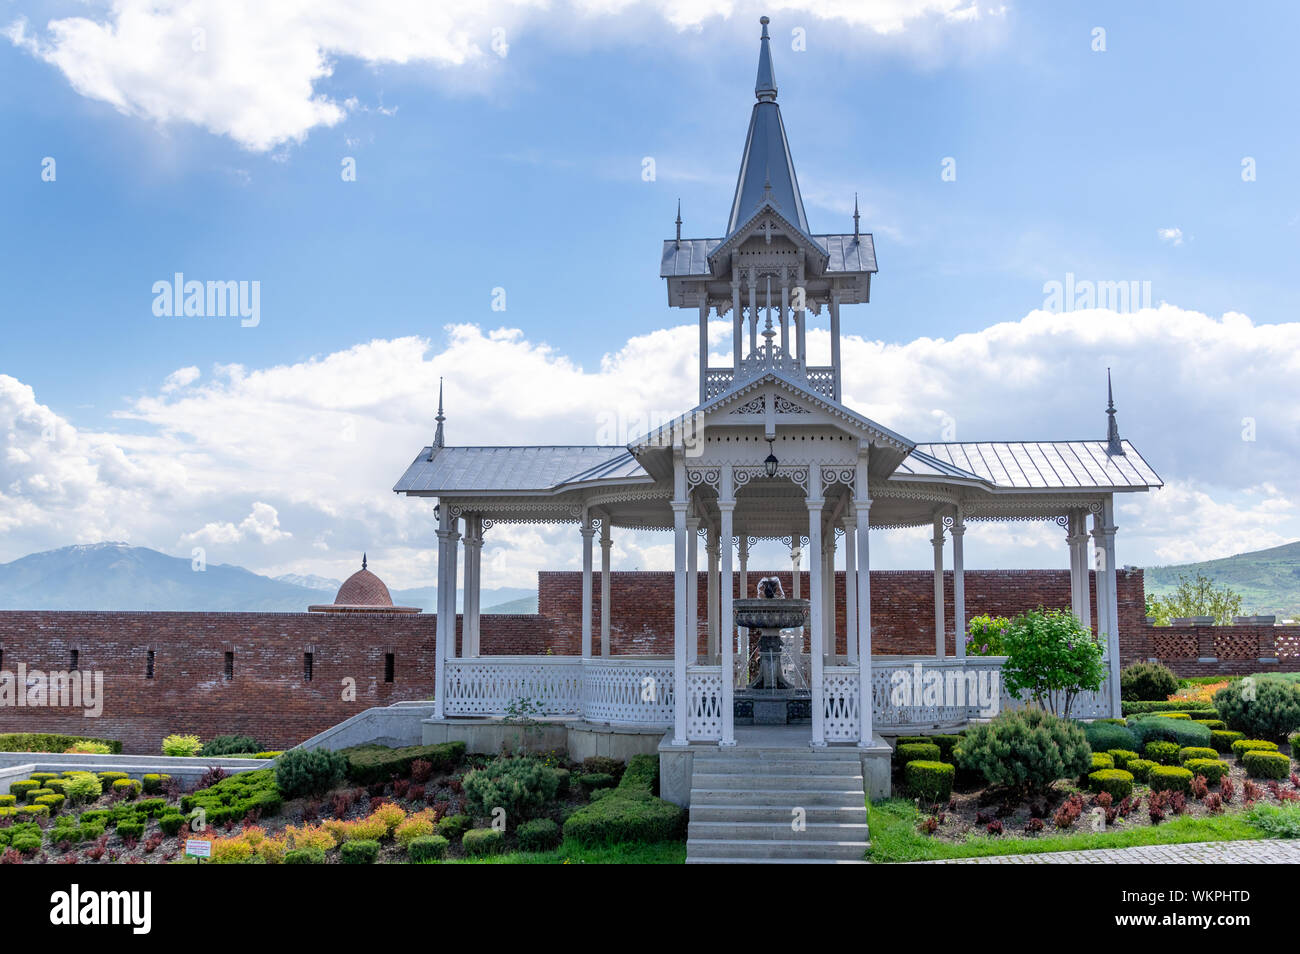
(1262, 852)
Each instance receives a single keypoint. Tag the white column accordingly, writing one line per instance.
(850, 585)
(605, 543)
(795, 555)
(1080, 601)
(1112, 601)
(726, 507)
(801, 321)
(737, 322)
(937, 542)
(743, 632)
(785, 318)
(751, 277)
(711, 593)
(693, 588)
(473, 585)
(704, 348)
(828, 594)
(445, 625)
(587, 531)
(862, 511)
(835, 343)
(959, 581)
(1099, 564)
(679, 505)
(817, 624)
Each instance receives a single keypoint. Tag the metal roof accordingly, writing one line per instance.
(506, 469)
(690, 257)
(1034, 465)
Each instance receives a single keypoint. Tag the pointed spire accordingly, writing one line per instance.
(1113, 443)
(765, 85)
(437, 434)
(679, 224)
(363, 560)
(856, 234)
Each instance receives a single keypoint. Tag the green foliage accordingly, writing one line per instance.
(7, 801)
(1261, 764)
(1117, 782)
(478, 842)
(642, 773)
(302, 772)
(1196, 752)
(453, 826)
(1147, 681)
(306, 856)
(1122, 757)
(630, 812)
(170, 823)
(127, 787)
(49, 742)
(54, 800)
(1213, 769)
(1168, 705)
(603, 765)
(368, 764)
(1174, 715)
(34, 811)
(1100, 760)
(929, 781)
(229, 745)
(1264, 708)
(90, 747)
(130, 829)
(1242, 746)
(154, 782)
(1173, 778)
(1221, 740)
(1027, 750)
(1212, 724)
(1052, 657)
(522, 786)
(1277, 821)
(541, 834)
(428, 848)
(1151, 727)
(1196, 595)
(108, 778)
(914, 751)
(984, 635)
(232, 798)
(1161, 752)
(589, 783)
(24, 787)
(360, 852)
(83, 787)
(181, 745)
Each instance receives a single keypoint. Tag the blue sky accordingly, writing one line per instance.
(524, 172)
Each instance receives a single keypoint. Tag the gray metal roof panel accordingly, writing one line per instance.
(1038, 465)
(849, 253)
(496, 469)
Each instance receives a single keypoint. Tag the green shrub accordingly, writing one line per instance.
(603, 765)
(361, 852)
(83, 787)
(54, 800)
(1195, 752)
(50, 742)
(181, 745)
(1172, 778)
(561, 782)
(930, 781)
(26, 844)
(57, 785)
(946, 745)
(7, 801)
(1162, 753)
(128, 787)
(984, 635)
(1221, 739)
(1151, 726)
(1242, 746)
(89, 747)
(914, 751)
(368, 764)
(232, 798)
(454, 826)
(229, 745)
(130, 829)
(170, 823)
(21, 789)
(43, 777)
(1100, 760)
(1213, 769)
(1104, 736)
(94, 816)
(541, 834)
(478, 842)
(626, 815)
(1163, 705)
(1260, 764)
(1277, 821)
(307, 856)
(1027, 750)
(34, 811)
(1117, 782)
(1051, 658)
(428, 848)
(302, 772)
(589, 783)
(642, 773)
(1122, 757)
(521, 786)
(108, 778)
(154, 783)
(1272, 713)
(1212, 724)
(1147, 681)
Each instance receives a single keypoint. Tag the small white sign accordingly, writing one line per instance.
(198, 848)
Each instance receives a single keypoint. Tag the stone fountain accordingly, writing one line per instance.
(770, 699)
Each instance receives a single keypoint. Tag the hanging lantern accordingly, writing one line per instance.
(770, 464)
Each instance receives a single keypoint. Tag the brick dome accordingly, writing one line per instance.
(363, 592)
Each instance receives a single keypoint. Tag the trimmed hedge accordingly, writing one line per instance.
(1122, 757)
(478, 842)
(368, 764)
(930, 781)
(1104, 736)
(129, 787)
(305, 856)
(54, 800)
(1162, 753)
(234, 797)
(1117, 782)
(427, 848)
(1195, 752)
(1167, 705)
(1171, 778)
(454, 826)
(630, 812)
(130, 829)
(50, 742)
(541, 834)
(1271, 710)
(1212, 724)
(309, 771)
(155, 782)
(1261, 764)
(1212, 769)
(21, 789)
(1146, 728)
(360, 852)
(590, 782)
(229, 745)
(8, 801)
(1242, 746)
(1221, 739)
(170, 823)
(914, 751)
(1101, 760)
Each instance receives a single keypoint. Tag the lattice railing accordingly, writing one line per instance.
(841, 705)
(627, 692)
(546, 686)
(1287, 642)
(704, 703)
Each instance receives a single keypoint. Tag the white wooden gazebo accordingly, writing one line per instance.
(769, 453)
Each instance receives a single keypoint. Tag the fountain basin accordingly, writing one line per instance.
(773, 614)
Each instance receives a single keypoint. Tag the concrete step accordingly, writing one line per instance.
(776, 861)
(765, 767)
(704, 848)
(777, 813)
(776, 831)
(845, 797)
(808, 753)
(815, 782)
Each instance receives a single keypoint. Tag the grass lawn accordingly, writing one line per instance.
(894, 837)
(662, 853)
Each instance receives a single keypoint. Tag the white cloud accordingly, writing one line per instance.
(251, 70)
(1173, 236)
(309, 451)
(180, 378)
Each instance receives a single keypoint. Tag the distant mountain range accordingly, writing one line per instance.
(116, 576)
(1268, 580)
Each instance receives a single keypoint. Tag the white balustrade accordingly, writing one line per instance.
(534, 685)
(704, 703)
(627, 691)
(840, 721)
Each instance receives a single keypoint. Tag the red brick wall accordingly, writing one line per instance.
(1215, 650)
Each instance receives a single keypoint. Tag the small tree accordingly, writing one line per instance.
(1053, 657)
(984, 635)
(1196, 596)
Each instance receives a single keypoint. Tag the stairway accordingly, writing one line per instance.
(743, 801)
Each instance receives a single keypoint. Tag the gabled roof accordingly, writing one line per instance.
(1033, 465)
(689, 258)
(457, 470)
